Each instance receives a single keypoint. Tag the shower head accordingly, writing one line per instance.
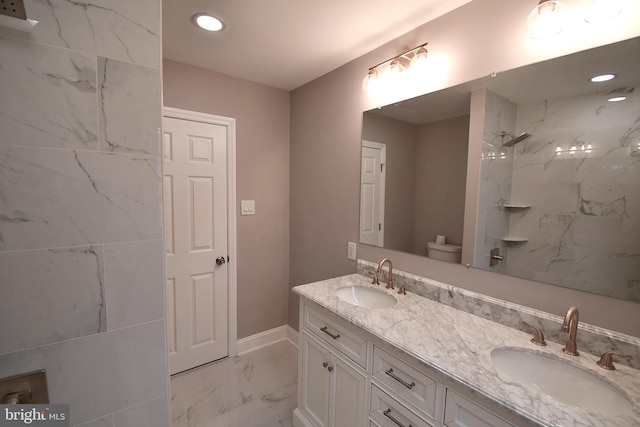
(514, 139)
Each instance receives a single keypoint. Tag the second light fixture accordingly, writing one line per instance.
(412, 59)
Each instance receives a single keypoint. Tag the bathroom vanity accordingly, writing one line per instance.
(365, 360)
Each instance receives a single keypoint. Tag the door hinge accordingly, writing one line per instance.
(381, 167)
(379, 226)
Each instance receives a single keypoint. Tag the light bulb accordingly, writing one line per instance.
(371, 82)
(396, 68)
(546, 20)
(419, 59)
(602, 10)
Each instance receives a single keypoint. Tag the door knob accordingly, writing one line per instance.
(220, 260)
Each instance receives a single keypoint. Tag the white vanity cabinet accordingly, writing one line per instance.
(348, 378)
(333, 390)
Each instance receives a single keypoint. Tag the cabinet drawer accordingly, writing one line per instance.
(460, 412)
(388, 412)
(337, 335)
(418, 390)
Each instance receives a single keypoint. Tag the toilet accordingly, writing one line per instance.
(446, 252)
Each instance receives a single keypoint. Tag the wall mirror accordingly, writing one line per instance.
(559, 184)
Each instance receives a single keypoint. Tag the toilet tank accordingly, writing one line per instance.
(447, 252)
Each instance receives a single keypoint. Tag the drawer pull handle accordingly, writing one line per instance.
(326, 331)
(387, 414)
(400, 380)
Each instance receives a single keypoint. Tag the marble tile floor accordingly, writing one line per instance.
(257, 389)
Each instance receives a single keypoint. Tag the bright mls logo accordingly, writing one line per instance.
(34, 415)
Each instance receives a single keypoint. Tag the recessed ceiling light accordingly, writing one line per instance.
(603, 78)
(208, 22)
(617, 99)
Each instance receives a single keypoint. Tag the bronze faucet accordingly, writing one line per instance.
(390, 280)
(606, 361)
(570, 325)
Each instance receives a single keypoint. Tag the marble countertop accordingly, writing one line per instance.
(459, 345)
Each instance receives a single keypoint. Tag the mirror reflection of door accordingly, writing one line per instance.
(372, 183)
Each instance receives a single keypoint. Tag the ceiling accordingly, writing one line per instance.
(287, 43)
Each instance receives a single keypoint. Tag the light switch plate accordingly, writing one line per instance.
(351, 251)
(247, 207)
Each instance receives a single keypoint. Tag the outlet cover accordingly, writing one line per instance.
(351, 251)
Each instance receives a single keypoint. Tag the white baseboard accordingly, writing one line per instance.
(263, 339)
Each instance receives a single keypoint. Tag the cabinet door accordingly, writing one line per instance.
(316, 379)
(349, 395)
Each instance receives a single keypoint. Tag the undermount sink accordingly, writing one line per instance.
(561, 380)
(366, 297)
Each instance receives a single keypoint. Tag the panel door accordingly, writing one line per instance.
(372, 176)
(195, 215)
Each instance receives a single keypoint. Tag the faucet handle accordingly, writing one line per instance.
(538, 336)
(402, 289)
(375, 278)
(606, 361)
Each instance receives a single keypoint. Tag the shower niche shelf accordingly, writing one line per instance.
(516, 206)
(514, 239)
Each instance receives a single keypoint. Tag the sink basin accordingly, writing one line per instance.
(366, 297)
(561, 380)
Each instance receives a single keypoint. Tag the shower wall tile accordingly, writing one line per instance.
(584, 223)
(154, 413)
(495, 180)
(121, 29)
(62, 197)
(129, 103)
(51, 295)
(48, 97)
(134, 282)
(99, 374)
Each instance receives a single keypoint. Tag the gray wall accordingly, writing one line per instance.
(400, 139)
(262, 139)
(326, 117)
(81, 251)
(441, 178)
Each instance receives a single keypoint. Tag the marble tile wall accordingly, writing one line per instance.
(81, 255)
(495, 180)
(583, 227)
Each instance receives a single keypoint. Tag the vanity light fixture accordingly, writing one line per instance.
(208, 22)
(412, 59)
(617, 99)
(603, 10)
(546, 19)
(603, 78)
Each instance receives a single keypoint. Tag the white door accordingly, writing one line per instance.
(195, 220)
(372, 184)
